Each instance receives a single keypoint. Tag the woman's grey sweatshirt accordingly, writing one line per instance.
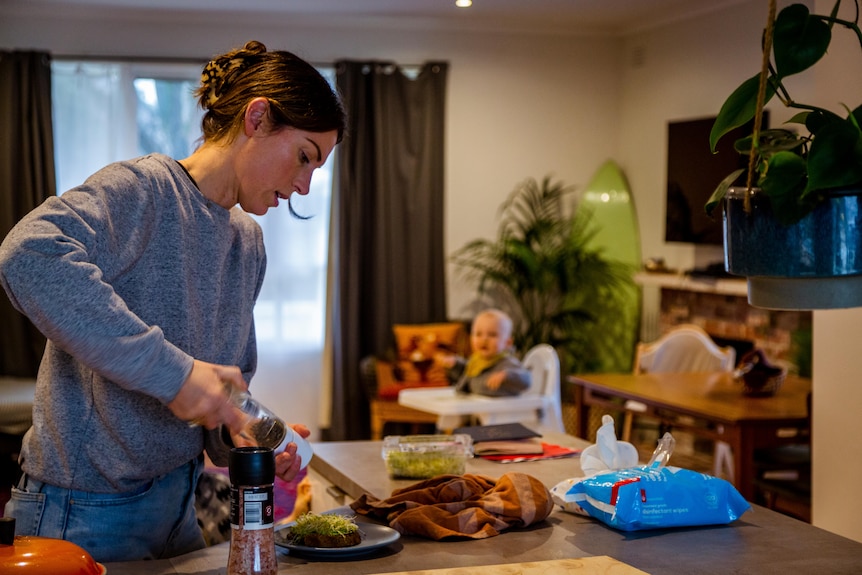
(130, 276)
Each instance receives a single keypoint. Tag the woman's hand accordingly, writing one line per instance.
(287, 464)
(202, 399)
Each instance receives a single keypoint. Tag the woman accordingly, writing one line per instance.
(144, 279)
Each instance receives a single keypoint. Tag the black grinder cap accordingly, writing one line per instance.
(251, 466)
(7, 530)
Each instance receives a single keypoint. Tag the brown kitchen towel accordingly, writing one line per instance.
(456, 506)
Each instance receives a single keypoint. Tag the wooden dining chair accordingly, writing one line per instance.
(685, 348)
(410, 367)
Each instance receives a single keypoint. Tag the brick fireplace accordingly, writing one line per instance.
(723, 311)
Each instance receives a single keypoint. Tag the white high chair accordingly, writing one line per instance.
(539, 405)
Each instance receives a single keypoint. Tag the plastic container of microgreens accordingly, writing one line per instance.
(425, 456)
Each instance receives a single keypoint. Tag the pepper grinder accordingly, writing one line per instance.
(252, 512)
(264, 428)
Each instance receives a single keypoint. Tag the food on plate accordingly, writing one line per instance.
(324, 530)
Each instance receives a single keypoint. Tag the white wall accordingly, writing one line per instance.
(689, 69)
(518, 105)
(836, 405)
(525, 106)
(670, 73)
(680, 71)
(837, 399)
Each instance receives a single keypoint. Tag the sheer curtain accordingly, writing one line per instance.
(388, 259)
(109, 111)
(289, 314)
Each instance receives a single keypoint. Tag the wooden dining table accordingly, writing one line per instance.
(707, 404)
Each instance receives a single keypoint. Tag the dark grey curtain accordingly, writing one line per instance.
(26, 180)
(387, 222)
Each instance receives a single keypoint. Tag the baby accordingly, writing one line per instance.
(491, 369)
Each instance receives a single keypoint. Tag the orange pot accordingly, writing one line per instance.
(30, 555)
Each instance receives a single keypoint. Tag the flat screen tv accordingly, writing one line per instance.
(693, 172)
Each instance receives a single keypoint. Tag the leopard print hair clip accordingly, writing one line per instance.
(214, 75)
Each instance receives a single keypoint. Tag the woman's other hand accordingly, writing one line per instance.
(287, 463)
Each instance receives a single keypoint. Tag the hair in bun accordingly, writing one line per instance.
(218, 72)
(298, 94)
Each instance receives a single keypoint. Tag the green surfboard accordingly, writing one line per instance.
(608, 198)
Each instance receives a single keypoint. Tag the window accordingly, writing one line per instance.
(109, 111)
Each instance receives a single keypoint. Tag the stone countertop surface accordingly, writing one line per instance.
(761, 542)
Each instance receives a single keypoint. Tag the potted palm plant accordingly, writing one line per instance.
(795, 228)
(559, 290)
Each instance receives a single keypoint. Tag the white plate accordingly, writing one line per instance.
(374, 537)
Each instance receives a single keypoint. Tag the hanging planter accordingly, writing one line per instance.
(814, 263)
(795, 232)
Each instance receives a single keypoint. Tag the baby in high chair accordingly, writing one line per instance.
(491, 369)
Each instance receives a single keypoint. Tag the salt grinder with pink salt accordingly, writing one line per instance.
(252, 512)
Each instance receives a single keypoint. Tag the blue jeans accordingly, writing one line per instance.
(156, 521)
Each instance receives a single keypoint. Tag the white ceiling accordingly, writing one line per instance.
(551, 16)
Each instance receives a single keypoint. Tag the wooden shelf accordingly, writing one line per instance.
(726, 286)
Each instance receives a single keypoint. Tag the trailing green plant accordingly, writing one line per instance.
(796, 170)
(542, 270)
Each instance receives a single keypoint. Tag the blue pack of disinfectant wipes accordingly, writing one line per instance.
(653, 497)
